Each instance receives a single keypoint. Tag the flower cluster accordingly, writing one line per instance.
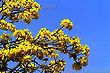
(20, 9)
(27, 50)
(56, 66)
(45, 44)
(31, 67)
(66, 23)
(5, 37)
(23, 49)
(62, 41)
(82, 61)
(80, 50)
(25, 59)
(23, 34)
(7, 26)
(84, 49)
(44, 33)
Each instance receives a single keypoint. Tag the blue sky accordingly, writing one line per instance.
(91, 20)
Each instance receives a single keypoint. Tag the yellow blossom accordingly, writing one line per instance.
(52, 62)
(66, 23)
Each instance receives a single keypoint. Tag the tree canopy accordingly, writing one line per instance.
(36, 53)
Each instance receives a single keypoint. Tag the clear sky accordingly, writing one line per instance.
(91, 20)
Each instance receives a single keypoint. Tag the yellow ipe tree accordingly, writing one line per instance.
(40, 53)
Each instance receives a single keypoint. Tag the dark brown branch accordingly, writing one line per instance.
(58, 30)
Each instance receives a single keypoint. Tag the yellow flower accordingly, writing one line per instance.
(35, 4)
(39, 48)
(19, 33)
(22, 66)
(83, 61)
(3, 22)
(25, 59)
(5, 37)
(52, 62)
(12, 27)
(3, 72)
(0, 9)
(6, 12)
(56, 55)
(6, 52)
(3, 25)
(66, 23)
(31, 67)
(85, 50)
(53, 37)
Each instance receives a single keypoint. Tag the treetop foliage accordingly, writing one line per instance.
(40, 53)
